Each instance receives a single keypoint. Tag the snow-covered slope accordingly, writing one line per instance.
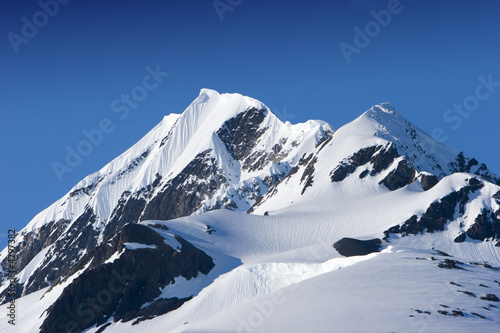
(220, 212)
(281, 273)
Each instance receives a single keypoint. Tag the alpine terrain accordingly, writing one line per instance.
(226, 219)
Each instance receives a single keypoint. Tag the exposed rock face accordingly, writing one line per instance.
(198, 180)
(384, 158)
(428, 181)
(496, 196)
(471, 165)
(450, 264)
(341, 172)
(80, 236)
(490, 298)
(487, 225)
(128, 209)
(460, 238)
(308, 175)
(133, 165)
(169, 134)
(349, 247)
(239, 134)
(380, 158)
(128, 287)
(361, 157)
(201, 177)
(34, 242)
(403, 175)
(439, 213)
(363, 174)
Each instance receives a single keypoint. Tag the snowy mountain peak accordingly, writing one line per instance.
(208, 92)
(221, 106)
(384, 114)
(386, 107)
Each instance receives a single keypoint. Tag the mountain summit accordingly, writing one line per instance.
(225, 205)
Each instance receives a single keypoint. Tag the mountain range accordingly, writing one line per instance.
(224, 218)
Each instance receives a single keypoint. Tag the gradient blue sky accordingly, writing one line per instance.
(284, 53)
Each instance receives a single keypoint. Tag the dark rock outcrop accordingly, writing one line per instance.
(462, 163)
(379, 157)
(428, 181)
(128, 209)
(486, 225)
(128, 287)
(132, 165)
(169, 134)
(240, 133)
(33, 242)
(341, 172)
(441, 253)
(64, 251)
(460, 238)
(349, 247)
(496, 196)
(384, 158)
(471, 165)
(450, 264)
(308, 175)
(361, 157)
(188, 194)
(400, 177)
(363, 174)
(490, 298)
(468, 293)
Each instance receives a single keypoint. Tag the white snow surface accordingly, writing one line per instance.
(280, 273)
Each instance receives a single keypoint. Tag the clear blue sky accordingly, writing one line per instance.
(287, 54)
